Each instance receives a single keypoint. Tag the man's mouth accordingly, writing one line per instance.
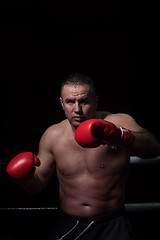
(78, 118)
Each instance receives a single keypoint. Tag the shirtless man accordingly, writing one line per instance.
(92, 170)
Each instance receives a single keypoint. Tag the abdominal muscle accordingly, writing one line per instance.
(88, 196)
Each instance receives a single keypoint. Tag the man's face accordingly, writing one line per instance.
(79, 103)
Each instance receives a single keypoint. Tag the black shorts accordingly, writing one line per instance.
(113, 226)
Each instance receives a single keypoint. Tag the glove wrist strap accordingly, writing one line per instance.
(126, 136)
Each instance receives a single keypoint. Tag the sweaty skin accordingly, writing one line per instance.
(91, 180)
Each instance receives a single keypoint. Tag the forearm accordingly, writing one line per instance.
(33, 185)
(122, 130)
(144, 145)
(39, 179)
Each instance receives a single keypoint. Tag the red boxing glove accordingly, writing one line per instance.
(23, 166)
(94, 132)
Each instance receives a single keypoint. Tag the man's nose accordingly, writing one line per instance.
(77, 107)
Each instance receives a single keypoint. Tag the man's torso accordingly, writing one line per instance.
(91, 181)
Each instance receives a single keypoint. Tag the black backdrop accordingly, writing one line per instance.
(116, 43)
(41, 43)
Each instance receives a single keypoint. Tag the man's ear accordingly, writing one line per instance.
(61, 101)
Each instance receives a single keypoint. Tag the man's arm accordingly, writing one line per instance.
(45, 171)
(144, 144)
(34, 172)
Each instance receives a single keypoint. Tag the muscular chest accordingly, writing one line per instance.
(71, 159)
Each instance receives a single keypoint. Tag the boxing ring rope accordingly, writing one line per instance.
(130, 207)
(137, 160)
(133, 160)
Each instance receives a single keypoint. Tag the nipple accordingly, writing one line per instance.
(101, 165)
(61, 171)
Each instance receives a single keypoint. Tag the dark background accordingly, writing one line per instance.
(114, 42)
(42, 43)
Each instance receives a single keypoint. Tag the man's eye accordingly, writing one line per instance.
(84, 101)
(70, 101)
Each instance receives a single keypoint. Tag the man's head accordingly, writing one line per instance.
(78, 98)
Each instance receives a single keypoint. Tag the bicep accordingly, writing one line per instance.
(125, 121)
(46, 156)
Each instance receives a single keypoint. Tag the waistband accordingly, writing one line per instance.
(98, 218)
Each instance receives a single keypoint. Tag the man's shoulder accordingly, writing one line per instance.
(121, 119)
(117, 116)
(102, 114)
(55, 130)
